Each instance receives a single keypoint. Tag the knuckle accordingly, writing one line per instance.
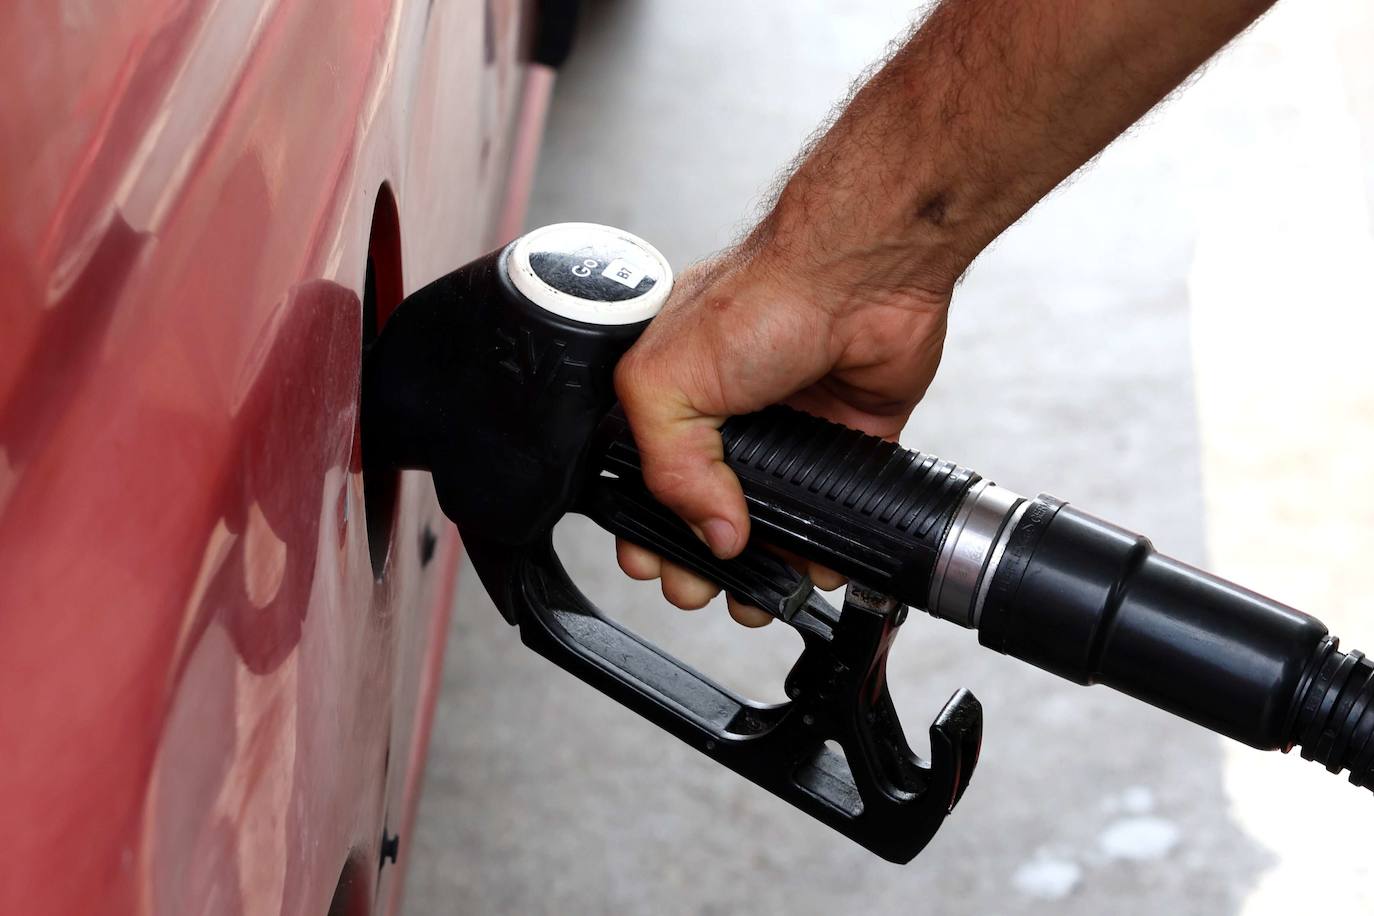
(668, 484)
(633, 379)
(718, 304)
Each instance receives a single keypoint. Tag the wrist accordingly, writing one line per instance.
(851, 254)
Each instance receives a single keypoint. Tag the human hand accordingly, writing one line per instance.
(835, 337)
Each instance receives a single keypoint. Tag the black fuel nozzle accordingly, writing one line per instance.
(495, 377)
(498, 379)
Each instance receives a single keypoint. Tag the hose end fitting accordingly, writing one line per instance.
(1334, 715)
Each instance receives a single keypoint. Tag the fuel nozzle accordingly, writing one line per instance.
(495, 376)
(498, 379)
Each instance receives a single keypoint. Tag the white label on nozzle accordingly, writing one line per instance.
(590, 273)
(623, 272)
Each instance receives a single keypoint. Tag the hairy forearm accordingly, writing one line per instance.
(837, 302)
(988, 106)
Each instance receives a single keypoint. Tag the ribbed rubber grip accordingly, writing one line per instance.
(1335, 717)
(867, 508)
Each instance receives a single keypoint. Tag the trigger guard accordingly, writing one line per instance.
(557, 620)
(890, 801)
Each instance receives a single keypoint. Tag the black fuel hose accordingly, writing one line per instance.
(1053, 586)
(1094, 603)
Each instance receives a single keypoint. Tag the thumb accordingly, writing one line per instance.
(683, 456)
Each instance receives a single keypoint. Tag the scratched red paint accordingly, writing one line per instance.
(209, 705)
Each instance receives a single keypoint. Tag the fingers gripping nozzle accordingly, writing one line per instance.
(497, 378)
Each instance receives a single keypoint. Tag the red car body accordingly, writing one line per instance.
(212, 701)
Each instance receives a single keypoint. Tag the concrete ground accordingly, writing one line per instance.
(1178, 341)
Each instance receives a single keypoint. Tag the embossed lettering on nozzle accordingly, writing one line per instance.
(973, 542)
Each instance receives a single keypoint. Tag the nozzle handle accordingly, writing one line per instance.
(1052, 586)
(860, 505)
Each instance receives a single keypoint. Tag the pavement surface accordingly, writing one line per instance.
(1178, 341)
